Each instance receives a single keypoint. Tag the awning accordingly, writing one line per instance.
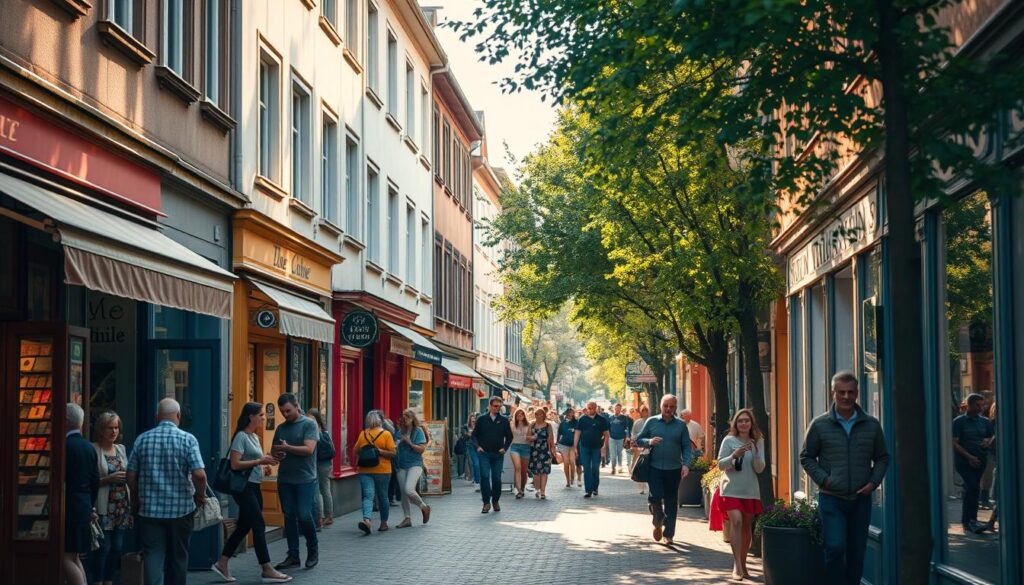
(299, 317)
(106, 252)
(492, 382)
(459, 374)
(423, 349)
(519, 396)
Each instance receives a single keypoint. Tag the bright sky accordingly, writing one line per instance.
(521, 119)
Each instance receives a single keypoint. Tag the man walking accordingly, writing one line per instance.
(972, 436)
(493, 435)
(696, 432)
(619, 427)
(297, 484)
(844, 453)
(669, 441)
(591, 438)
(168, 480)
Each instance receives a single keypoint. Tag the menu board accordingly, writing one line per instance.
(435, 458)
(35, 437)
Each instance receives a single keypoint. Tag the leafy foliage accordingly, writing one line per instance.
(799, 514)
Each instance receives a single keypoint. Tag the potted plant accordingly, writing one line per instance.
(690, 487)
(709, 482)
(791, 550)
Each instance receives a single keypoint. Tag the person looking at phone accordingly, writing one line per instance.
(295, 448)
(741, 458)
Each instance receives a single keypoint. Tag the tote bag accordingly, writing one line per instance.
(208, 514)
(641, 467)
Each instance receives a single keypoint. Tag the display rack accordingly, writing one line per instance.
(34, 438)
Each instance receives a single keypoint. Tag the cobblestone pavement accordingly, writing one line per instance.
(564, 539)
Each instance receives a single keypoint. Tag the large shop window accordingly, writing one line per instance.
(796, 352)
(967, 367)
(869, 279)
(817, 345)
(299, 375)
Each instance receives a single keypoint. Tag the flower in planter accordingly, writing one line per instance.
(700, 465)
(710, 479)
(799, 514)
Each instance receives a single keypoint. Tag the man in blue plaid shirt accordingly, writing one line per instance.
(166, 476)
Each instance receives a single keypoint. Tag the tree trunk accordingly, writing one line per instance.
(755, 391)
(904, 275)
(718, 372)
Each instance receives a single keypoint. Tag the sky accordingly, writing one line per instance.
(520, 120)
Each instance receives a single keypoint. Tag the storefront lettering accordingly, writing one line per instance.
(102, 310)
(280, 258)
(299, 267)
(8, 128)
(854, 229)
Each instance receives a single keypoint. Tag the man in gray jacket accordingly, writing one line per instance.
(844, 453)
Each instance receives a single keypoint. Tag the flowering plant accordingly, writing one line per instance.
(710, 479)
(799, 514)
(700, 465)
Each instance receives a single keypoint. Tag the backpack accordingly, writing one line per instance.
(369, 454)
(460, 446)
(325, 447)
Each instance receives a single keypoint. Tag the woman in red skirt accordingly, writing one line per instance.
(741, 458)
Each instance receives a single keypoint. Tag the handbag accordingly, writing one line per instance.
(228, 480)
(369, 454)
(208, 514)
(641, 470)
(95, 535)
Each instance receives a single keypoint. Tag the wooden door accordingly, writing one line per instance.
(270, 384)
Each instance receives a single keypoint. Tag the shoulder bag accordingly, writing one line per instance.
(325, 448)
(208, 514)
(641, 470)
(230, 481)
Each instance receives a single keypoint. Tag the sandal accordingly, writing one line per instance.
(404, 523)
(364, 526)
(543, 496)
(279, 578)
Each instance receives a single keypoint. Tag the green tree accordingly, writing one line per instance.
(552, 351)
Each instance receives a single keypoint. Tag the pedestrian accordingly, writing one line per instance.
(566, 434)
(374, 450)
(167, 476)
(591, 436)
(542, 448)
(81, 486)
(696, 432)
(113, 503)
(474, 457)
(324, 466)
(246, 455)
(294, 447)
(619, 428)
(462, 467)
(394, 490)
(844, 453)
(988, 477)
(973, 435)
(521, 440)
(638, 427)
(669, 441)
(493, 435)
(741, 458)
(411, 444)
(607, 417)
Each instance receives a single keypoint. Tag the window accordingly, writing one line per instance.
(300, 143)
(392, 75)
(329, 171)
(447, 284)
(372, 48)
(447, 144)
(438, 274)
(329, 10)
(373, 215)
(410, 245)
(393, 230)
(410, 101)
(300, 361)
(424, 255)
(174, 36)
(424, 118)
(352, 186)
(211, 42)
(120, 13)
(436, 154)
(269, 116)
(352, 26)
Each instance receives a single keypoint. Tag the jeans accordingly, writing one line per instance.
(972, 490)
(408, 479)
(844, 528)
(324, 499)
(297, 506)
(250, 517)
(375, 485)
(104, 564)
(590, 459)
(615, 452)
(663, 488)
(474, 461)
(394, 490)
(490, 476)
(165, 549)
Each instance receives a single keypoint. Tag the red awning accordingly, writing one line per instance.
(456, 381)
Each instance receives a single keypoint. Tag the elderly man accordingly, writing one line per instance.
(696, 432)
(81, 483)
(167, 476)
(591, 438)
(619, 428)
(669, 441)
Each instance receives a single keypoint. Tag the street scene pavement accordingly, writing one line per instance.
(563, 539)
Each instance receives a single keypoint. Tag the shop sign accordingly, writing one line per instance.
(461, 382)
(266, 319)
(359, 329)
(427, 355)
(421, 375)
(479, 386)
(639, 372)
(279, 261)
(854, 229)
(401, 347)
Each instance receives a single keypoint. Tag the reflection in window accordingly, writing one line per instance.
(969, 462)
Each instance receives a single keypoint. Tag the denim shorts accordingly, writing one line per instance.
(521, 449)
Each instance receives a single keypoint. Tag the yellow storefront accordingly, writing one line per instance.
(281, 333)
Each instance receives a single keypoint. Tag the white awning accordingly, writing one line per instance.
(299, 316)
(108, 252)
(458, 368)
(423, 349)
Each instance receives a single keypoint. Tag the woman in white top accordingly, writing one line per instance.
(638, 427)
(520, 449)
(741, 458)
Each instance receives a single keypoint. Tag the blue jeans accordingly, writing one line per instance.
(297, 506)
(972, 489)
(375, 485)
(490, 476)
(474, 461)
(844, 528)
(615, 452)
(663, 486)
(590, 459)
(104, 564)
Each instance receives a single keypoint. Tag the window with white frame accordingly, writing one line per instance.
(352, 27)
(372, 47)
(393, 230)
(425, 261)
(329, 10)
(373, 215)
(212, 50)
(300, 143)
(329, 171)
(269, 115)
(392, 75)
(120, 13)
(424, 118)
(410, 245)
(352, 186)
(173, 37)
(410, 101)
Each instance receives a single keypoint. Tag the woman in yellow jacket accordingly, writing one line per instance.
(374, 450)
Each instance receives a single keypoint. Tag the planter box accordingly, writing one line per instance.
(791, 557)
(690, 491)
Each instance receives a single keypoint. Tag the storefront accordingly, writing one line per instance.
(281, 335)
(97, 306)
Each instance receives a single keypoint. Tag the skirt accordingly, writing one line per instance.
(745, 505)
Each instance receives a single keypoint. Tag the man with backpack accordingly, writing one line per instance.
(294, 446)
(493, 436)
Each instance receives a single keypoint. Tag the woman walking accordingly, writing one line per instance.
(541, 449)
(373, 451)
(113, 503)
(247, 455)
(566, 432)
(638, 427)
(741, 458)
(411, 444)
(324, 456)
(520, 449)
(474, 457)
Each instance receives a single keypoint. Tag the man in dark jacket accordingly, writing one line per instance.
(81, 483)
(844, 453)
(493, 435)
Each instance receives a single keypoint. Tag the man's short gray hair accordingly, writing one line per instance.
(167, 407)
(75, 416)
(669, 397)
(844, 376)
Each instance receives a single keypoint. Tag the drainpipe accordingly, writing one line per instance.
(438, 69)
(236, 93)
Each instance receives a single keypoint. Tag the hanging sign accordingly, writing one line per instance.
(402, 347)
(359, 329)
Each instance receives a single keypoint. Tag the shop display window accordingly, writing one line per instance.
(35, 437)
(299, 372)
